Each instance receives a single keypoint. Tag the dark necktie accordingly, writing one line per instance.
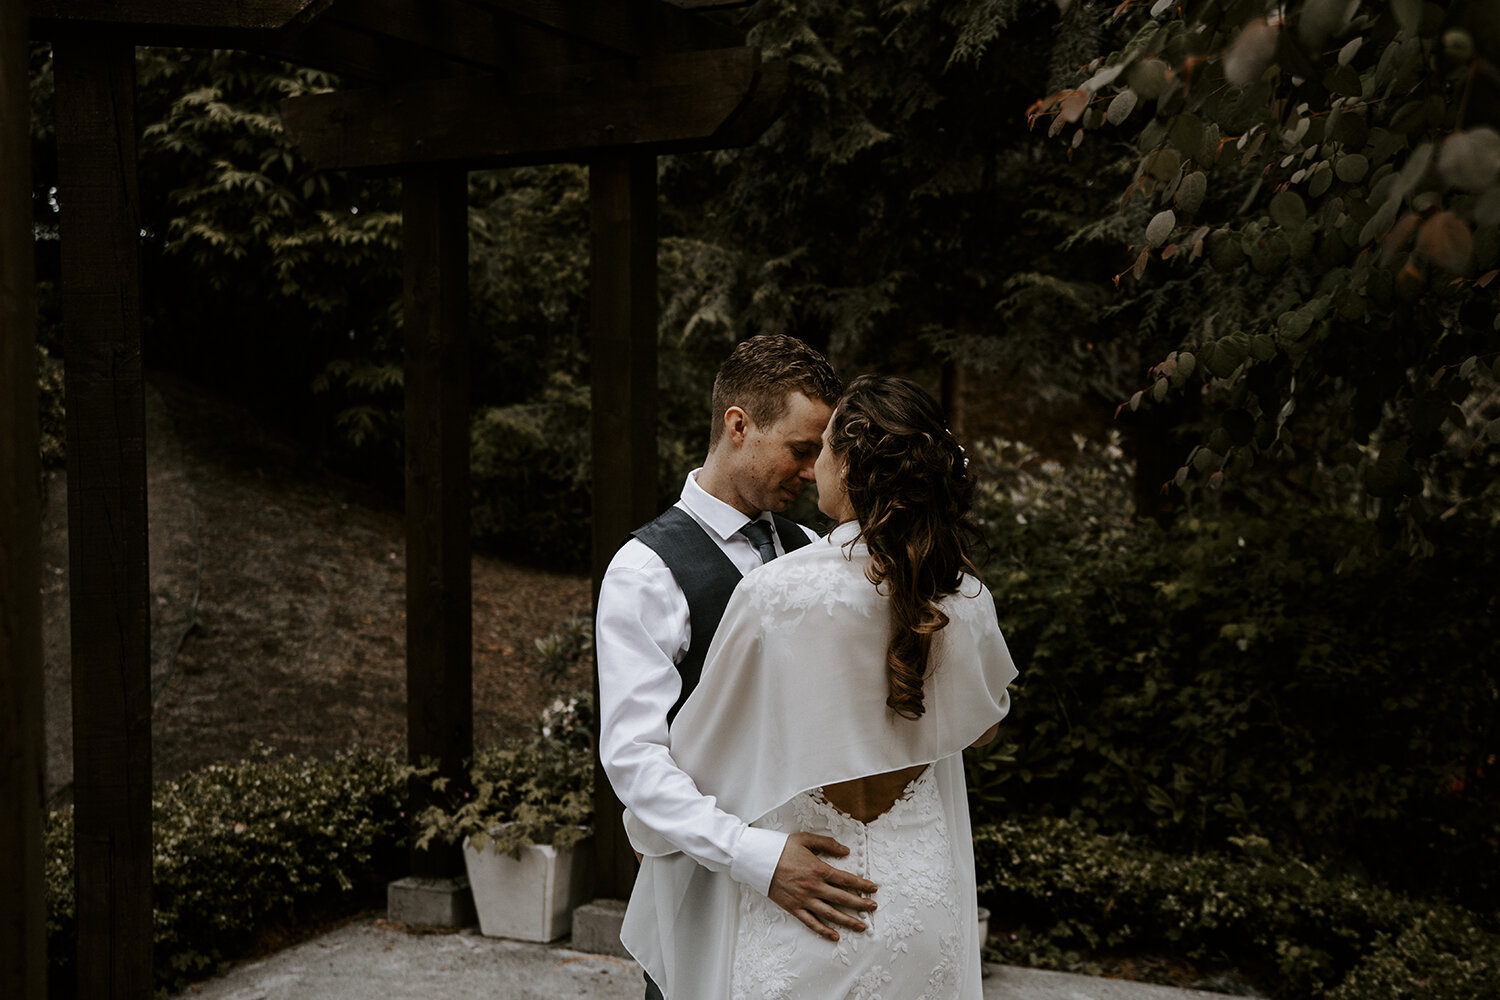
(759, 532)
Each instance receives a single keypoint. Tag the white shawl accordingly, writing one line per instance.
(792, 697)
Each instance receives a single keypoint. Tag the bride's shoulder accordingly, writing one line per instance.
(818, 573)
(972, 601)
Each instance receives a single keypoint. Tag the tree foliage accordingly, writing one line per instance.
(898, 213)
(1314, 196)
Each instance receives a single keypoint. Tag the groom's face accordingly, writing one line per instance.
(776, 461)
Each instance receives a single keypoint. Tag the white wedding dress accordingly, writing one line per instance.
(792, 698)
(912, 943)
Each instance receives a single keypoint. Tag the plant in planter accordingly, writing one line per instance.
(521, 817)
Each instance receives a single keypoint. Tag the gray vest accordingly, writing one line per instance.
(707, 578)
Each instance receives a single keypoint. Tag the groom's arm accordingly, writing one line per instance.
(642, 628)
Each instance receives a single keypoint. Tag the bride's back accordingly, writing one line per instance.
(867, 798)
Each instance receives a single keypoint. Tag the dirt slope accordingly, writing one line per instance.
(277, 603)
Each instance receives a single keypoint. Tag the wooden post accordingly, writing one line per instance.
(96, 141)
(622, 200)
(439, 624)
(23, 927)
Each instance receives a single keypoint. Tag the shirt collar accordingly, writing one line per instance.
(713, 513)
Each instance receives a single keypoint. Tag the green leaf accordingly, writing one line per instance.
(1120, 107)
(1189, 194)
(1148, 78)
(1408, 14)
(1320, 179)
(1224, 249)
(1288, 210)
(1291, 325)
(1318, 20)
(1164, 164)
(1161, 227)
(1352, 169)
(1380, 223)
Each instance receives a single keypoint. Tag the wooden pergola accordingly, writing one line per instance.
(432, 89)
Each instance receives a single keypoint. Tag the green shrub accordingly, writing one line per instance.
(1437, 958)
(1061, 896)
(538, 792)
(244, 848)
(1236, 674)
(531, 480)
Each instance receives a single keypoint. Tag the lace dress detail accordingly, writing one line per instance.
(911, 948)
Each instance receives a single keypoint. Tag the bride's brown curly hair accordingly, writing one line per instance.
(908, 483)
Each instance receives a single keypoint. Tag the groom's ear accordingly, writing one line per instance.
(736, 425)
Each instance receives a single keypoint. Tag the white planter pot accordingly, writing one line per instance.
(531, 899)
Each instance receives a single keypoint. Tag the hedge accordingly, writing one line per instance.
(1061, 896)
(246, 849)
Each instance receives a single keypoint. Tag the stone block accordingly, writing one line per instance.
(431, 902)
(596, 928)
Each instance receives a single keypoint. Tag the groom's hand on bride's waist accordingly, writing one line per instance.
(814, 891)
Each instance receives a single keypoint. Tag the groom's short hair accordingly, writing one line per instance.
(762, 372)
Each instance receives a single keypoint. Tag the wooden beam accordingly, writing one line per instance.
(456, 32)
(243, 15)
(756, 114)
(439, 658)
(96, 142)
(622, 362)
(357, 56)
(631, 27)
(661, 104)
(23, 918)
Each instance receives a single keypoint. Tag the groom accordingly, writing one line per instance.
(661, 600)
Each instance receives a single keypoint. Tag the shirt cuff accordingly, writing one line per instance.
(756, 856)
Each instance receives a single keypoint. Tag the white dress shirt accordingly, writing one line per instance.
(641, 632)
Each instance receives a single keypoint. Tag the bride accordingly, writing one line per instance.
(842, 686)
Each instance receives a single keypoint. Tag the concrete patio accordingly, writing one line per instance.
(375, 958)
